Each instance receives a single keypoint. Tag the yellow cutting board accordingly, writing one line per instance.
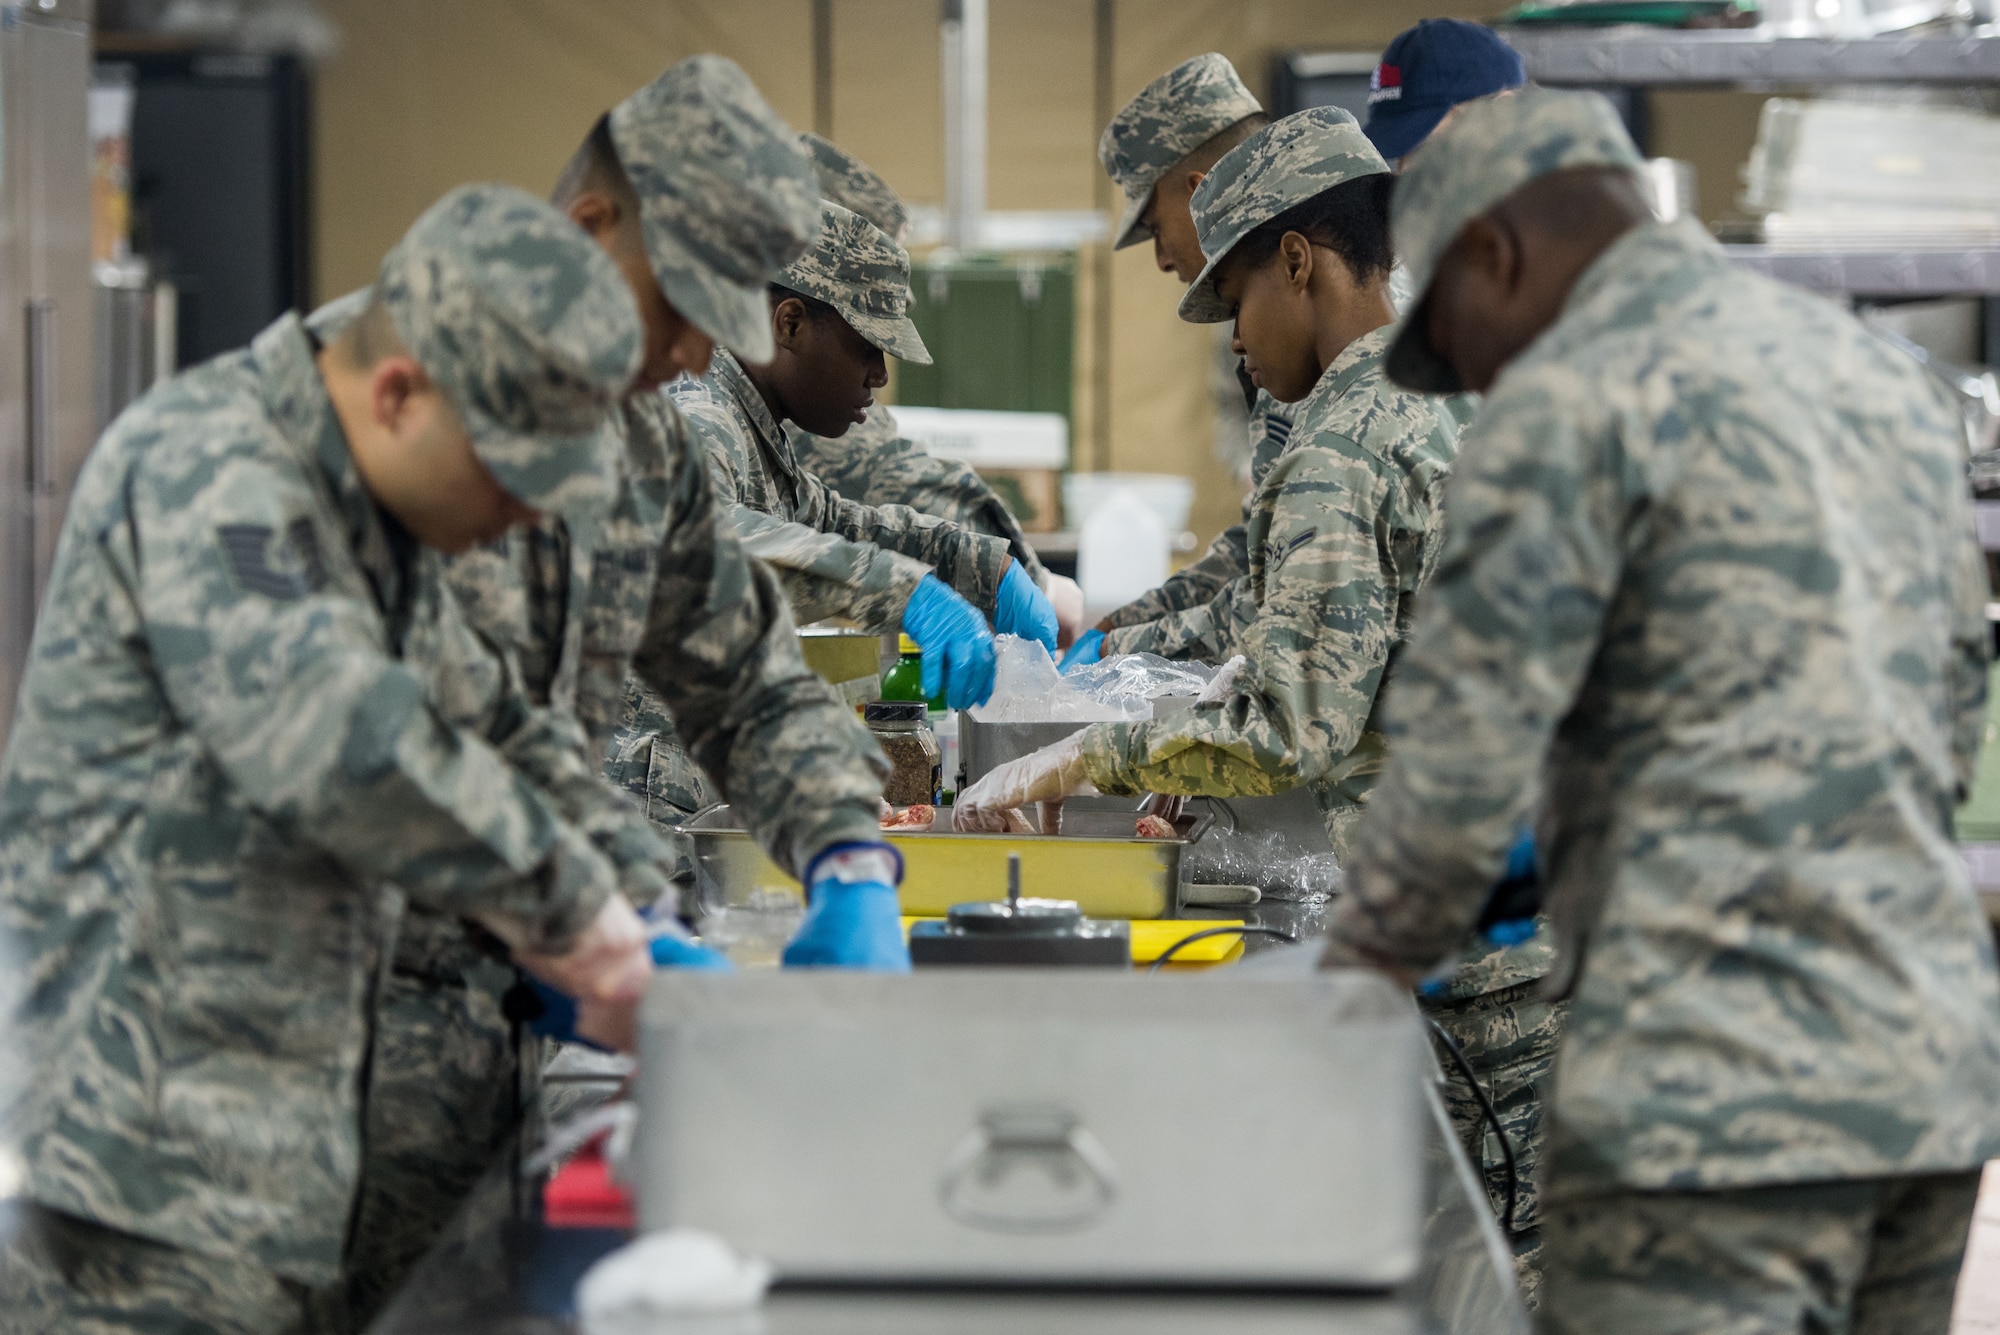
(1152, 936)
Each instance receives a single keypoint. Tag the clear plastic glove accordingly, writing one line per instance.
(608, 962)
(610, 1026)
(1067, 598)
(1023, 609)
(853, 918)
(1049, 775)
(957, 645)
(1089, 647)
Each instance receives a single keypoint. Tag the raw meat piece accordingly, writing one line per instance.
(1153, 827)
(917, 816)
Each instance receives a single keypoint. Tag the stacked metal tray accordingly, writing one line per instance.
(1097, 860)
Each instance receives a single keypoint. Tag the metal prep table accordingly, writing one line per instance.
(500, 1271)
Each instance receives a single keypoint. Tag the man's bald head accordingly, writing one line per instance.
(1507, 275)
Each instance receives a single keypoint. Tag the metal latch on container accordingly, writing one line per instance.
(1028, 1170)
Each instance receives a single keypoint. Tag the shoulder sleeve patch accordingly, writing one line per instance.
(284, 566)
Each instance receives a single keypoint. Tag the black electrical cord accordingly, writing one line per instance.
(1192, 937)
(1492, 1119)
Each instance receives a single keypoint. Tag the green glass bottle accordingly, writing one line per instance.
(905, 680)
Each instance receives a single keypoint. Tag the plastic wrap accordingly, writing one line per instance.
(1028, 689)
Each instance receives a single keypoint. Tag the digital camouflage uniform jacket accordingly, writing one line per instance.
(233, 738)
(1342, 534)
(836, 557)
(1710, 595)
(875, 464)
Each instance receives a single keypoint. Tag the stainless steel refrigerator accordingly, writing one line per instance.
(46, 302)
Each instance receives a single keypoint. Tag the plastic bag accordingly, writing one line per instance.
(1028, 689)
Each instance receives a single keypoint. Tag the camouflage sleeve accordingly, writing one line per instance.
(1316, 655)
(720, 649)
(286, 680)
(823, 574)
(876, 465)
(1972, 653)
(1505, 634)
(971, 563)
(1226, 559)
(1212, 632)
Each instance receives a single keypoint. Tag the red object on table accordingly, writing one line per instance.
(581, 1194)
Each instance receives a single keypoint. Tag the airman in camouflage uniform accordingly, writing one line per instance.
(874, 463)
(836, 557)
(1320, 618)
(1194, 614)
(1709, 584)
(249, 728)
(672, 611)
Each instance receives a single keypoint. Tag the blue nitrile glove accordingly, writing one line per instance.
(1089, 647)
(1509, 916)
(1024, 610)
(670, 951)
(958, 647)
(853, 920)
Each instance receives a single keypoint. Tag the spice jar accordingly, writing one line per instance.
(916, 764)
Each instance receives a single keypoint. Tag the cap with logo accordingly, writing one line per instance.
(1170, 118)
(530, 331)
(853, 184)
(1429, 69)
(856, 269)
(727, 195)
(1281, 166)
(1493, 148)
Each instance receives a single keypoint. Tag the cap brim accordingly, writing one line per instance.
(568, 475)
(898, 336)
(1412, 362)
(736, 315)
(1131, 231)
(1396, 134)
(1201, 303)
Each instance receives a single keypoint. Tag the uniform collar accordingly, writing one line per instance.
(734, 380)
(1639, 258)
(1356, 360)
(296, 401)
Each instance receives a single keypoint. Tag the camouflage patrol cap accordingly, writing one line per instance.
(528, 329)
(865, 276)
(1282, 165)
(853, 184)
(1492, 148)
(1170, 118)
(727, 196)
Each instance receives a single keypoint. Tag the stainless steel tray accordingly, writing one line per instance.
(1097, 861)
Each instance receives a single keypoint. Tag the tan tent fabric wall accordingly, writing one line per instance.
(427, 95)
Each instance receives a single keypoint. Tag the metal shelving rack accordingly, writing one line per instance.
(1748, 57)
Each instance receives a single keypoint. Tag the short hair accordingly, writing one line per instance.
(371, 338)
(1350, 219)
(595, 166)
(1210, 150)
(815, 308)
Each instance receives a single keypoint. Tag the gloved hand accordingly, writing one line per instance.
(1048, 775)
(1089, 647)
(609, 1027)
(1023, 609)
(1067, 599)
(606, 963)
(957, 645)
(853, 919)
(1509, 916)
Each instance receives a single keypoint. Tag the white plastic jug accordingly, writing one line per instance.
(1120, 554)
